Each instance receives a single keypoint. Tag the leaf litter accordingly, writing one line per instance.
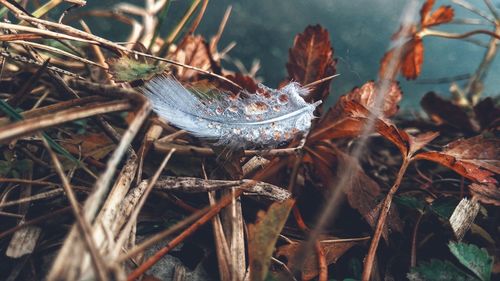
(90, 108)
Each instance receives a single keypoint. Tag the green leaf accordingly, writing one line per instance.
(23, 165)
(437, 270)
(5, 167)
(411, 202)
(444, 207)
(474, 258)
(125, 69)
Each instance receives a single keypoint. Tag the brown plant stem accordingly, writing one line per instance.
(384, 211)
(413, 258)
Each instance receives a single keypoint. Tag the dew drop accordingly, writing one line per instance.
(283, 99)
(233, 108)
(256, 108)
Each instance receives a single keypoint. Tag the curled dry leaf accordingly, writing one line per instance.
(332, 250)
(311, 59)
(486, 193)
(476, 158)
(262, 237)
(443, 111)
(367, 94)
(442, 14)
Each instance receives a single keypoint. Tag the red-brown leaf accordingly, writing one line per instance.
(193, 51)
(348, 118)
(442, 15)
(332, 250)
(410, 62)
(419, 141)
(367, 94)
(412, 59)
(426, 10)
(476, 158)
(311, 59)
(246, 82)
(486, 193)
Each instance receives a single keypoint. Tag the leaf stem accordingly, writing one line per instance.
(384, 211)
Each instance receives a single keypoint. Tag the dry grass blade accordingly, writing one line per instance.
(57, 51)
(133, 217)
(28, 126)
(83, 225)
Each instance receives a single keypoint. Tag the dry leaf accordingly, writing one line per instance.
(362, 192)
(419, 141)
(444, 111)
(96, 145)
(193, 51)
(262, 237)
(486, 193)
(412, 55)
(476, 158)
(332, 250)
(311, 59)
(442, 15)
(367, 94)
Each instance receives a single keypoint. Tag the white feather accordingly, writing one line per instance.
(263, 119)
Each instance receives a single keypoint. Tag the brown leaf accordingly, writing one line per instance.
(442, 15)
(245, 81)
(486, 193)
(193, 51)
(444, 111)
(362, 192)
(332, 250)
(479, 150)
(410, 62)
(311, 59)
(348, 118)
(412, 59)
(419, 141)
(367, 94)
(476, 158)
(96, 145)
(262, 237)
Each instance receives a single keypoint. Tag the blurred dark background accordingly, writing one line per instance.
(360, 32)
